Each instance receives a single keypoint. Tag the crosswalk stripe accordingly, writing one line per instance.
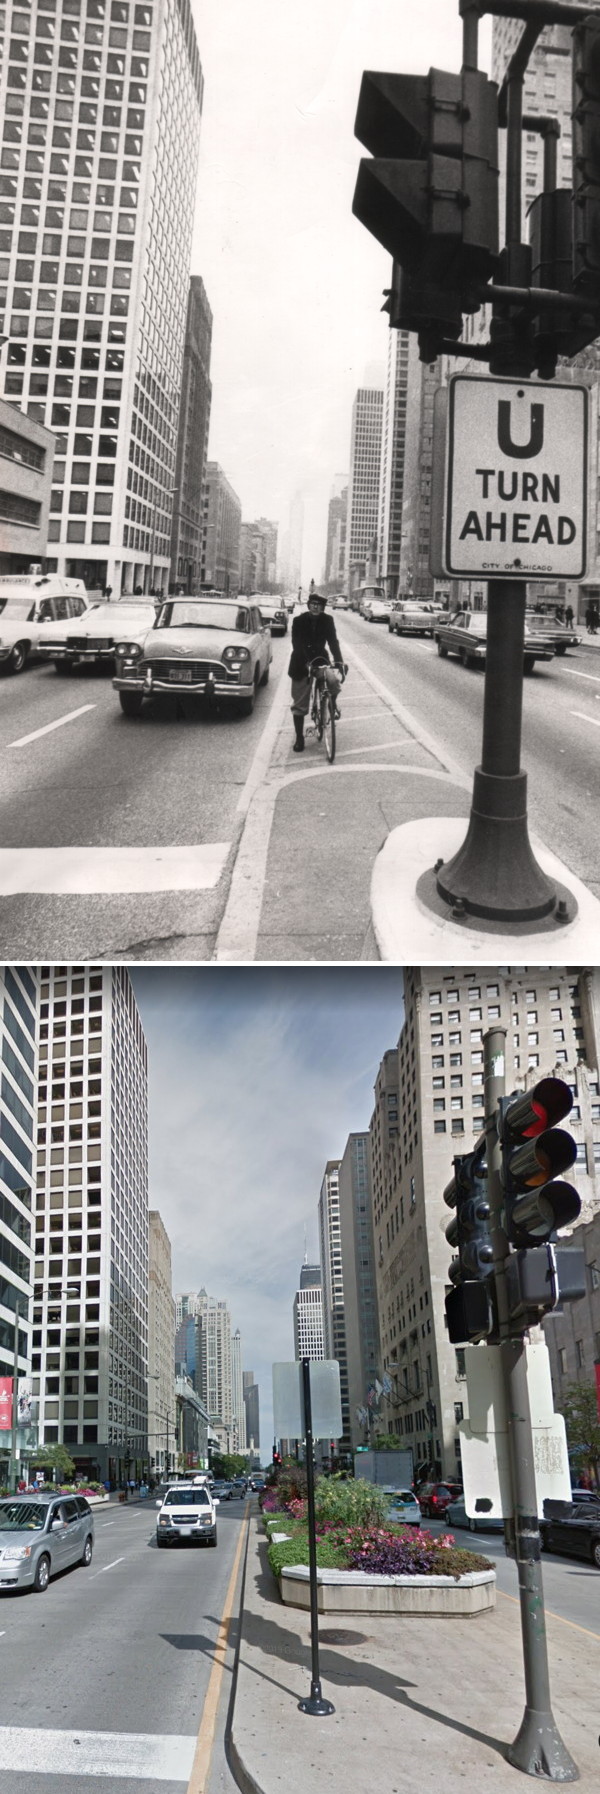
(143, 1756)
(117, 871)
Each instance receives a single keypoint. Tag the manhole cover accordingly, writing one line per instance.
(340, 1637)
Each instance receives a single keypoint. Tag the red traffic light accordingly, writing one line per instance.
(541, 1107)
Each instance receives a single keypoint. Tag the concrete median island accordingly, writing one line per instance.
(353, 1591)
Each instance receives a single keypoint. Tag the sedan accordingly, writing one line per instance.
(572, 1529)
(558, 635)
(465, 634)
(456, 1515)
(404, 1509)
(223, 1490)
(41, 1535)
(375, 610)
(25, 623)
(207, 647)
(92, 642)
(274, 612)
(409, 617)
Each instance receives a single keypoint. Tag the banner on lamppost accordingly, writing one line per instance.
(6, 1396)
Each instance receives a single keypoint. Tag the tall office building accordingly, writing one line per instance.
(334, 1320)
(335, 551)
(363, 482)
(252, 1407)
(223, 526)
(192, 442)
(187, 1348)
(358, 1267)
(188, 1304)
(258, 556)
(308, 1314)
(237, 1393)
(161, 1331)
(422, 381)
(101, 107)
(18, 1095)
(215, 1386)
(393, 461)
(429, 1104)
(289, 571)
(90, 1314)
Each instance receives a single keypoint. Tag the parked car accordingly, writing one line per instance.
(188, 1513)
(585, 1495)
(404, 1509)
(409, 616)
(573, 1529)
(559, 635)
(92, 643)
(435, 1498)
(456, 1515)
(29, 611)
(274, 612)
(40, 1535)
(465, 634)
(375, 610)
(218, 648)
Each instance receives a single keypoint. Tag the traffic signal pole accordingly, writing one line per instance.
(538, 1748)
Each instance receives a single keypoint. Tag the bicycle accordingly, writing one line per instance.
(322, 706)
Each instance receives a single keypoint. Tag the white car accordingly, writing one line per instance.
(93, 641)
(211, 647)
(375, 610)
(28, 611)
(404, 1509)
(188, 1513)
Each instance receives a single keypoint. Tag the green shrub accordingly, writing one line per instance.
(291, 1483)
(341, 1503)
(295, 1551)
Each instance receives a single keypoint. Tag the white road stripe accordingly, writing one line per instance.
(143, 1756)
(100, 871)
(593, 676)
(586, 719)
(48, 727)
(105, 1567)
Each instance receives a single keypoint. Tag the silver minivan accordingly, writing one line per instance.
(40, 1535)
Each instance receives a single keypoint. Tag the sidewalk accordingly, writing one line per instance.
(421, 1705)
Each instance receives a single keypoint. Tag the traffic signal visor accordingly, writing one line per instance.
(534, 1154)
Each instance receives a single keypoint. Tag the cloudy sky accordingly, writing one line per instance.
(257, 1076)
(294, 282)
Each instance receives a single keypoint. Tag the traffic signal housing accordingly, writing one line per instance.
(430, 192)
(276, 1455)
(586, 155)
(470, 1312)
(534, 1154)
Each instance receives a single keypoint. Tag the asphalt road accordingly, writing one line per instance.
(571, 1586)
(561, 727)
(110, 1668)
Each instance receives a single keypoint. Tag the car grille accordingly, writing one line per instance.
(199, 669)
(81, 642)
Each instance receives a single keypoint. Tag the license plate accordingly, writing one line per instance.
(186, 1529)
(181, 675)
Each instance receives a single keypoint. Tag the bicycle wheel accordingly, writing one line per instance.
(328, 724)
(318, 713)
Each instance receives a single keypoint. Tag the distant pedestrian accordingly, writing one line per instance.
(569, 616)
(138, 592)
(107, 592)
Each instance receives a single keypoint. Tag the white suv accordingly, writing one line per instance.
(188, 1511)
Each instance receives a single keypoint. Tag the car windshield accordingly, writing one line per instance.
(19, 608)
(187, 1498)
(402, 1495)
(193, 614)
(17, 1516)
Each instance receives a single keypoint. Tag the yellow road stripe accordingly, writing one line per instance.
(555, 1616)
(204, 1742)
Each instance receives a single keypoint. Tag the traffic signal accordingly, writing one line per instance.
(276, 1456)
(553, 332)
(586, 155)
(470, 1305)
(540, 1278)
(430, 193)
(534, 1153)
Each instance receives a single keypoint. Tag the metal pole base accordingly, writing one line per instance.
(495, 872)
(315, 1702)
(538, 1749)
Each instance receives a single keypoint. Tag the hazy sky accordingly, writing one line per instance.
(256, 1078)
(294, 282)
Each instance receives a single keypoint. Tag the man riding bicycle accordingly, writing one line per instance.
(313, 633)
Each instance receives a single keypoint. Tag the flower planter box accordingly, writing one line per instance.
(353, 1591)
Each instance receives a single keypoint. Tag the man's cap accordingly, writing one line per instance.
(319, 596)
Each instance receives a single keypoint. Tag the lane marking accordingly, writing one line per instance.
(200, 1767)
(143, 1756)
(586, 719)
(593, 676)
(412, 724)
(555, 1616)
(113, 871)
(261, 759)
(48, 727)
(375, 747)
(105, 1567)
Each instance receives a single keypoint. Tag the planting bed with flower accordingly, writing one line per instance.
(353, 1533)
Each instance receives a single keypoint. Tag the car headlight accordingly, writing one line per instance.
(131, 650)
(17, 1551)
(235, 654)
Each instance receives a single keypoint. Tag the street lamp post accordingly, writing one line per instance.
(14, 1476)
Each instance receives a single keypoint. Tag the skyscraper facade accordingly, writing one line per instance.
(215, 1360)
(334, 1320)
(363, 481)
(19, 1009)
(223, 525)
(90, 1314)
(335, 552)
(252, 1407)
(192, 442)
(101, 109)
(258, 556)
(237, 1393)
(161, 1331)
(358, 1266)
(422, 380)
(393, 458)
(430, 1104)
(308, 1314)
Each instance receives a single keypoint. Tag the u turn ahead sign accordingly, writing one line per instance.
(516, 487)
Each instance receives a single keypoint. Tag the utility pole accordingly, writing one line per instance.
(15, 1397)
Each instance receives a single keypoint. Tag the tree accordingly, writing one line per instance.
(56, 1458)
(228, 1464)
(387, 1442)
(580, 1408)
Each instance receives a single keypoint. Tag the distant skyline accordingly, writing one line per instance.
(256, 1078)
(294, 282)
